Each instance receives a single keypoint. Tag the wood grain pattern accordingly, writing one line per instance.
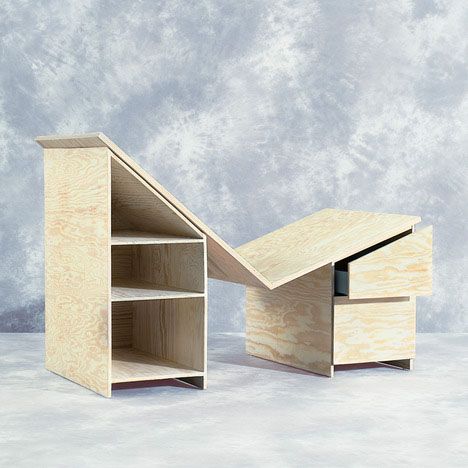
(293, 324)
(370, 332)
(141, 208)
(179, 266)
(77, 265)
(173, 330)
(131, 365)
(321, 238)
(139, 238)
(224, 263)
(402, 268)
(137, 290)
(122, 324)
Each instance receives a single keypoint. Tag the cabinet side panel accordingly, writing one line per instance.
(77, 264)
(293, 323)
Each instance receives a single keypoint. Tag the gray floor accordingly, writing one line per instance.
(254, 413)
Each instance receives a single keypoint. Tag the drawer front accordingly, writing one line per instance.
(367, 331)
(402, 268)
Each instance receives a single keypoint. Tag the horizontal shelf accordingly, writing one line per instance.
(138, 238)
(131, 365)
(131, 290)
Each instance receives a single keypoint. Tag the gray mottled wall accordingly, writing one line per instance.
(253, 113)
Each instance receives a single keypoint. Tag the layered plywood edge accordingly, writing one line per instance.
(154, 257)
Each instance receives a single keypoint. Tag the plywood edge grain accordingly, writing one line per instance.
(85, 140)
(343, 300)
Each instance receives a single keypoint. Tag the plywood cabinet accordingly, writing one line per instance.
(359, 308)
(126, 276)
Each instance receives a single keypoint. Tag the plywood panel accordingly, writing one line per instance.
(173, 330)
(122, 324)
(293, 324)
(139, 238)
(402, 268)
(369, 332)
(223, 261)
(133, 290)
(77, 265)
(321, 238)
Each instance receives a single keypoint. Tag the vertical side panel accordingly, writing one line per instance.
(293, 323)
(77, 265)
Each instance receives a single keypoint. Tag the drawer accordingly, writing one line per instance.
(400, 268)
(370, 331)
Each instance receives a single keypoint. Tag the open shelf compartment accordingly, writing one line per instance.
(132, 365)
(158, 261)
(161, 271)
(155, 340)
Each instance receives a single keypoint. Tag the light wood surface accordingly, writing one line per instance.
(367, 332)
(339, 300)
(173, 330)
(293, 324)
(139, 238)
(122, 324)
(136, 205)
(130, 365)
(402, 268)
(224, 263)
(77, 265)
(175, 265)
(137, 290)
(321, 238)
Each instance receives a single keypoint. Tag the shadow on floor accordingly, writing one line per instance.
(151, 383)
(246, 360)
(363, 365)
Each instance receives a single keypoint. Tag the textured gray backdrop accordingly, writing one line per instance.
(253, 113)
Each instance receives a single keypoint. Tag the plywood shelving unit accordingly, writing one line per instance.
(126, 274)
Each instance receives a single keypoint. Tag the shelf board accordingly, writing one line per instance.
(131, 365)
(131, 290)
(138, 238)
